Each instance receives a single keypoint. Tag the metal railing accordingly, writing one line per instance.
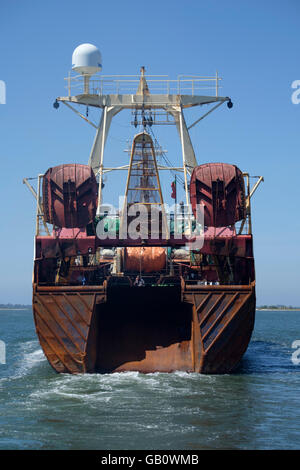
(128, 84)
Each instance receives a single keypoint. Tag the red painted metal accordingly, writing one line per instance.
(145, 259)
(220, 188)
(215, 242)
(70, 195)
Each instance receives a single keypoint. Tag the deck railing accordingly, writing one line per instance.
(128, 84)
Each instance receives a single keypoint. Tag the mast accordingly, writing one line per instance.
(173, 101)
(143, 189)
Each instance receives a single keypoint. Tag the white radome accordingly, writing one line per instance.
(86, 59)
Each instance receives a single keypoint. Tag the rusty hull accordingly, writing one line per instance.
(192, 328)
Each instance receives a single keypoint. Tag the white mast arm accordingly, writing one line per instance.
(188, 151)
(96, 156)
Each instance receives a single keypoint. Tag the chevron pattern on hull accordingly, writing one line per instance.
(207, 331)
(223, 320)
(63, 323)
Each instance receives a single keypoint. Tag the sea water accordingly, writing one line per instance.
(257, 407)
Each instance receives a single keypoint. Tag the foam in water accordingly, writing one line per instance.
(29, 358)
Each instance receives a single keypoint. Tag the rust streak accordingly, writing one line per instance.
(193, 336)
(51, 347)
(89, 309)
(57, 337)
(227, 323)
(202, 358)
(219, 299)
(69, 318)
(196, 338)
(218, 288)
(60, 324)
(78, 313)
(222, 313)
(206, 298)
(68, 288)
(68, 298)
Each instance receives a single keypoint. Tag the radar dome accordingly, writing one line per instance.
(86, 59)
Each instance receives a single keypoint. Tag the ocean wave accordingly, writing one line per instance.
(29, 356)
(118, 389)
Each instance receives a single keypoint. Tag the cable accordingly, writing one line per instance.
(167, 161)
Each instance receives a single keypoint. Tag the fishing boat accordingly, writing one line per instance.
(145, 287)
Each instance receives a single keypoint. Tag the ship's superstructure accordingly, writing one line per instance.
(143, 288)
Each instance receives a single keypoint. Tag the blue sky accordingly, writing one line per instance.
(253, 45)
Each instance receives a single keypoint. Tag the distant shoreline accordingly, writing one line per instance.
(279, 309)
(17, 307)
(23, 308)
(265, 309)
